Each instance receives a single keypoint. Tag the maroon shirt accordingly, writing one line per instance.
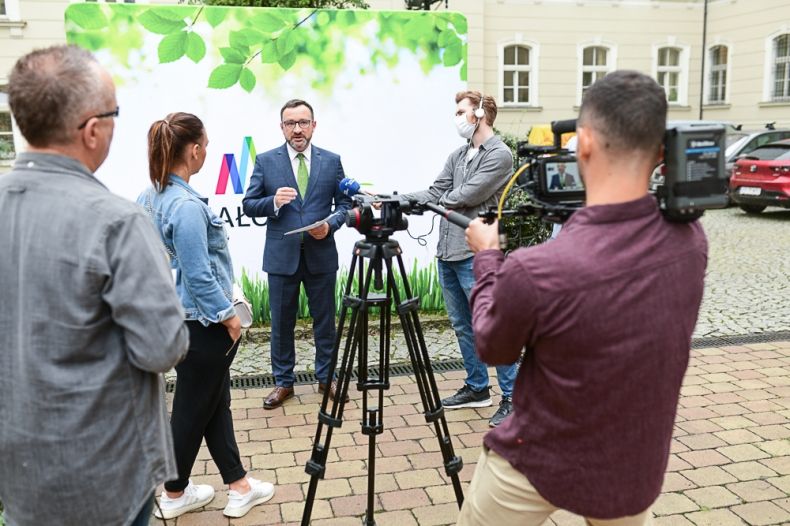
(606, 312)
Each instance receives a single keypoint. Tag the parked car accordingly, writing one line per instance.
(740, 143)
(761, 178)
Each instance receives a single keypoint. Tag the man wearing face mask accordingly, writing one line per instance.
(471, 181)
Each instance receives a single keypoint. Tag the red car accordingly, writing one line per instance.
(762, 178)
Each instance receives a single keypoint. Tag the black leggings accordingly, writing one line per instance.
(201, 407)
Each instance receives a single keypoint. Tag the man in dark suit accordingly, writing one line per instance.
(293, 186)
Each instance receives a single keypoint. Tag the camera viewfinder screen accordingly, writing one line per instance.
(563, 177)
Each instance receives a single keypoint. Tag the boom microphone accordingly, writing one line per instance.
(453, 217)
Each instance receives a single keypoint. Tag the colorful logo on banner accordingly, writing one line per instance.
(228, 169)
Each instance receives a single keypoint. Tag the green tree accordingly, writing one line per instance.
(318, 4)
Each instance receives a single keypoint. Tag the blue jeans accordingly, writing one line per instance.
(457, 279)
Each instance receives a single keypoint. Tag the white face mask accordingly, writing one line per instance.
(465, 128)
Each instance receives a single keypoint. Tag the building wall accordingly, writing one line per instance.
(633, 28)
(558, 29)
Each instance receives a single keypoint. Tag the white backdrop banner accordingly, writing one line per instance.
(382, 84)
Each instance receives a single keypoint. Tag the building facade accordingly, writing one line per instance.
(538, 56)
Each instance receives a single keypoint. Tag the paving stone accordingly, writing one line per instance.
(737, 436)
(743, 452)
(712, 497)
(709, 476)
(761, 513)
(670, 503)
(779, 464)
(672, 520)
(719, 517)
(755, 490)
(676, 482)
(749, 470)
(704, 457)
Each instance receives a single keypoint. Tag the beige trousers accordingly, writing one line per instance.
(500, 495)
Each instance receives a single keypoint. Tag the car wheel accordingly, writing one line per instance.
(752, 209)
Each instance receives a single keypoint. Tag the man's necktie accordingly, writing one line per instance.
(301, 175)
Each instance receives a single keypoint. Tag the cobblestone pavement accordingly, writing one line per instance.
(729, 462)
(747, 291)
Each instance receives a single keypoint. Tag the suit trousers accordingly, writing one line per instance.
(201, 406)
(284, 301)
(499, 494)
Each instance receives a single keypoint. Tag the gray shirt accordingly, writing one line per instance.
(88, 317)
(467, 187)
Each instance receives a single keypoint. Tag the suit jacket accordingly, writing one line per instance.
(272, 171)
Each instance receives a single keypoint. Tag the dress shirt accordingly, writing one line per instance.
(606, 312)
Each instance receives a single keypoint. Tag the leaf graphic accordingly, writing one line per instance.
(463, 72)
(215, 15)
(87, 16)
(286, 61)
(247, 80)
(269, 52)
(452, 54)
(161, 26)
(172, 47)
(175, 13)
(459, 21)
(232, 55)
(224, 76)
(196, 48)
(286, 43)
(268, 22)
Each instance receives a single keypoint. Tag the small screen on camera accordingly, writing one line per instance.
(562, 176)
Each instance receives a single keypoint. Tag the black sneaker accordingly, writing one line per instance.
(505, 408)
(466, 397)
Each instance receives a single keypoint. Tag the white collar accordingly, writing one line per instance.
(293, 153)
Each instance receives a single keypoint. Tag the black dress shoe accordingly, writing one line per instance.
(278, 395)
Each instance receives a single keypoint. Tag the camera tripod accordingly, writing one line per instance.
(374, 380)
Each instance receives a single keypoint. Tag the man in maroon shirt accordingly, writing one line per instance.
(607, 338)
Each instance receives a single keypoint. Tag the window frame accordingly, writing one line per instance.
(13, 133)
(11, 11)
(709, 74)
(611, 63)
(682, 69)
(532, 68)
(769, 81)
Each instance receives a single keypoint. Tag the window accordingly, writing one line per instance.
(669, 72)
(595, 61)
(3, 11)
(781, 67)
(7, 150)
(519, 75)
(671, 67)
(717, 90)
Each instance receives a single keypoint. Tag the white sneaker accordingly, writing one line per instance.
(195, 496)
(239, 505)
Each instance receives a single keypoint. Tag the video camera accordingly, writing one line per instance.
(694, 176)
(393, 207)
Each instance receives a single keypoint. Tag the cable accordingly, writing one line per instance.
(422, 239)
(507, 189)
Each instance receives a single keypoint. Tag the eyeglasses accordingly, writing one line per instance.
(304, 124)
(113, 113)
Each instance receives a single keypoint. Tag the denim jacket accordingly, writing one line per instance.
(196, 240)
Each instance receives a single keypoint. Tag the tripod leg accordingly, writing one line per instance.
(426, 383)
(316, 466)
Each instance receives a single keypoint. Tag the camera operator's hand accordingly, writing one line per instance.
(284, 195)
(319, 232)
(482, 236)
(234, 327)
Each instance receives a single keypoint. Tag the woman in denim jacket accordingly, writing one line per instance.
(196, 241)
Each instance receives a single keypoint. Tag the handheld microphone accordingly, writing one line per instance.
(349, 186)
